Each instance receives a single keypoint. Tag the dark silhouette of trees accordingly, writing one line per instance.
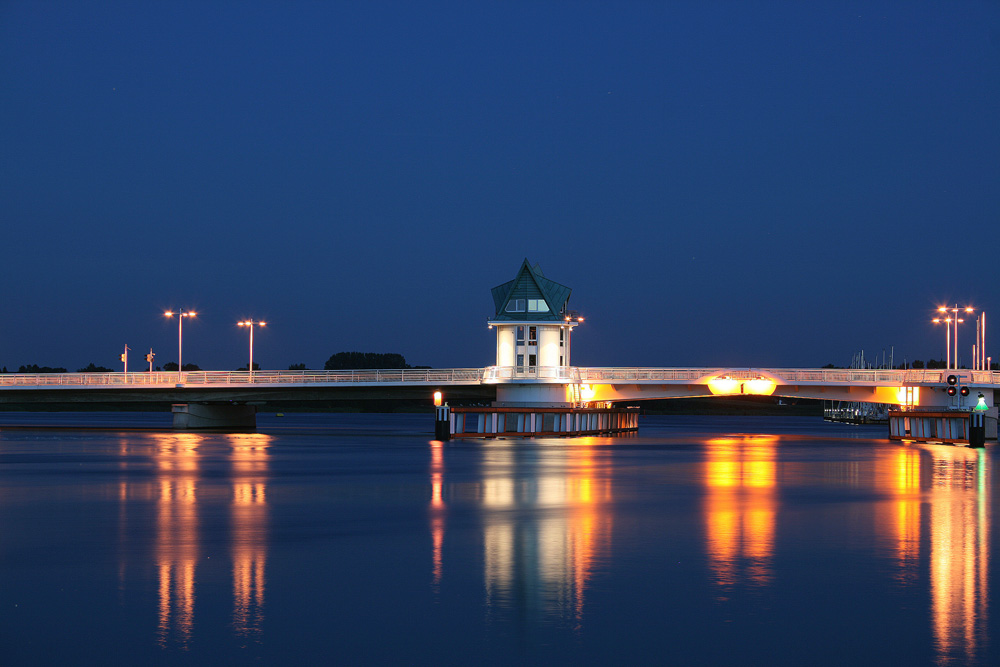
(172, 366)
(91, 368)
(33, 368)
(365, 360)
(298, 367)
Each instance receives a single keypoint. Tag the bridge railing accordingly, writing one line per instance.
(642, 374)
(229, 378)
(788, 375)
(492, 374)
(552, 373)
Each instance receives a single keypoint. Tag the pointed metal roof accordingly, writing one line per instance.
(531, 284)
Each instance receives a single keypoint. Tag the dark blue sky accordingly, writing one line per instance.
(721, 183)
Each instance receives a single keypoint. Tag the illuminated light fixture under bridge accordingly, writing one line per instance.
(724, 385)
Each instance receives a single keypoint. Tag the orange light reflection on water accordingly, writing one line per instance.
(176, 547)
(250, 469)
(740, 476)
(897, 472)
(437, 509)
(959, 549)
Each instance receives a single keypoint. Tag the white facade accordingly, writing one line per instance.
(529, 345)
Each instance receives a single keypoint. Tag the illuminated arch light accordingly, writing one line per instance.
(908, 395)
(727, 386)
(586, 392)
(760, 386)
(723, 386)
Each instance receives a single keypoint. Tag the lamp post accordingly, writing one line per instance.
(181, 314)
(250, 324)
(955, 320)
(947, 338)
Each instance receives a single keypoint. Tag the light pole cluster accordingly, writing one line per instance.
(951, 319)
(181, 314)
(250, 324)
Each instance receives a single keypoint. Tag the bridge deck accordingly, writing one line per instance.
(262, 379)
(489, 375)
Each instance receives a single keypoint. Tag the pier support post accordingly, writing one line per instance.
(221, 417)
(442, 423)
(977, 429)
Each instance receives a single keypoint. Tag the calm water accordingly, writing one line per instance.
(355, 539)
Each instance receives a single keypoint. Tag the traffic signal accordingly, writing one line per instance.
(149, 357)
(964, 391)
(952, 380)
(952, 390)
(122, 356)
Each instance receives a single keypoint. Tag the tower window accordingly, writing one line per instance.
(515, 306)
(532, 335)
(537, 306)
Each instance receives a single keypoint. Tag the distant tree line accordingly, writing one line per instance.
(365, 360)
(172, 366)
(91, 368)
(33, 368)
(339, 361)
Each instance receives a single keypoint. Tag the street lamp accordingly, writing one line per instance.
(947, 338)
(250, 323)
(955, 320)
(181, 314)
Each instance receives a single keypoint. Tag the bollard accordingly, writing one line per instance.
(977, 429)
(442, 423)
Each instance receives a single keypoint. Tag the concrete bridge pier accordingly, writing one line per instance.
(534, 394)
(218, 417)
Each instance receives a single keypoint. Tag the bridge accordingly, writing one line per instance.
(594, 383)
(532, 378)
(509, 386)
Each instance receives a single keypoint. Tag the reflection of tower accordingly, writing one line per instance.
(437, 506)
(545, 526)
(176, 546)
(250, 518)
(740, 506)
(959, 557)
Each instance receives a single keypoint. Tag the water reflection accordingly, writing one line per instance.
(182, 492)
(740, 504)
(176, 543)
(437, 509)
(250, 530)
(897, 471)
(959, 550)
(547, 523)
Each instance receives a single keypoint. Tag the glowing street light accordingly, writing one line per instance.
(954, 321)
(250, 324)
(181, 314)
